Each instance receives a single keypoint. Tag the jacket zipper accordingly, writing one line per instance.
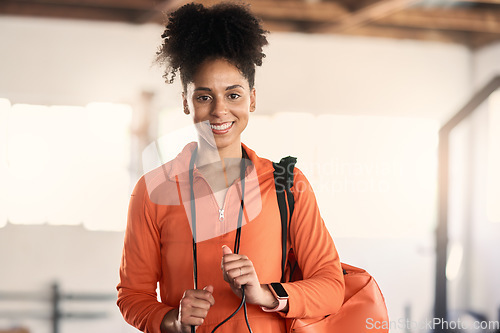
(221, 210)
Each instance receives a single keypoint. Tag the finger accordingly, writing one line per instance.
(191, 321)
(193, 311)
(235, 272)
(192, 316)
(242, 280)
(188, 304)
(204, 299)
(230, 273)
(228, 255)
(226, 250)
(198, 298)
(233, 256)
(198, 293)
(210, 289)
(198, 313)
(234, 264)
(243, 275)
(232, 261)
(239, 268)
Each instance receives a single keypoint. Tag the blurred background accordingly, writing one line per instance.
(390, 106)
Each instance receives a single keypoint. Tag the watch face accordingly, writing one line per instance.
(279, 290)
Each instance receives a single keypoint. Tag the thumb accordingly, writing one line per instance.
(209, 288)
(226, 250)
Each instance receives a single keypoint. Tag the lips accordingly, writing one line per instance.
(221, 128)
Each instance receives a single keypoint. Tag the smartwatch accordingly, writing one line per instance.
(280, 294)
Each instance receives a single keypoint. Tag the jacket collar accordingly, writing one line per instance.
(178, 168)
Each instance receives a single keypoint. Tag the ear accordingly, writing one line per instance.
(185, 103)
(184, 100)
(253, 100)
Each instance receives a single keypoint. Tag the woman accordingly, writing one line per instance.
(185, 216)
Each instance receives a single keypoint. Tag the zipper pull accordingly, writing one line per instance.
(221, 215)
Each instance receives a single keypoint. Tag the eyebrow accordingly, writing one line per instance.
(227, 88)
(234, 86)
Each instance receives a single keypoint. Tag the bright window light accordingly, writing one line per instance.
(454, 261)
(372, 176)
(4, 112)
(493, 196)
(175, 129)
(67, 165)
(376, 176)
(28, 160)
(107, 190)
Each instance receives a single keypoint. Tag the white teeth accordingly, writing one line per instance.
(221, 127)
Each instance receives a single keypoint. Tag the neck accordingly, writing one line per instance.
(207, 154)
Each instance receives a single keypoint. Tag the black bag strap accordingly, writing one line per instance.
(283, 180)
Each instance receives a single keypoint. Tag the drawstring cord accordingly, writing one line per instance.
(236, 241)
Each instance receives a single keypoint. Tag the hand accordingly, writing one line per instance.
(193, 309)
(238, 270)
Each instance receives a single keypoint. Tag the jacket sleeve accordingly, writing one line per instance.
(140, 267)
(321, 292)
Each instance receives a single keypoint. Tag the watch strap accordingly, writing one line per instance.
(281, 305)
(282, 302)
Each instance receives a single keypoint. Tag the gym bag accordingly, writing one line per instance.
(363, 309)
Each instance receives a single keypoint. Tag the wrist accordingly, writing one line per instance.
(170, 324)
(280, 298)
(268, 300)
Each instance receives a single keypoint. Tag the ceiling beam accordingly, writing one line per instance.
(402, 33)
(327, 12)
(8, 7)
(479, 40)
(293, 10)
(493, 2)
(159, 11)
(280, 26)
(298, 10)
(370, 13)
(122, 4)
(456, 19)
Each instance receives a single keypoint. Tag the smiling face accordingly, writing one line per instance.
(220, 95)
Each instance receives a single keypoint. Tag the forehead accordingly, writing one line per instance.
(215, 73)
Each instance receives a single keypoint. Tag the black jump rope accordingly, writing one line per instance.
(236, 240)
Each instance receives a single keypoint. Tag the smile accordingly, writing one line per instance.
(221, 128)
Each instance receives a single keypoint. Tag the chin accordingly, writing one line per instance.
(222, 143)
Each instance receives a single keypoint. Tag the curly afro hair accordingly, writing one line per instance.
(195, 33)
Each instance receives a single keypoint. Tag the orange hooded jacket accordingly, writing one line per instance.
(158, 248)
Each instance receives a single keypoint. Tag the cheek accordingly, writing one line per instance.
(243, 117)
(243, 109)
(200, 114)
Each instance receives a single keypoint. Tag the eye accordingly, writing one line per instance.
(234, 96)
(203, 98)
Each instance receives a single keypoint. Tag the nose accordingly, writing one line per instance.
(219, 107)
